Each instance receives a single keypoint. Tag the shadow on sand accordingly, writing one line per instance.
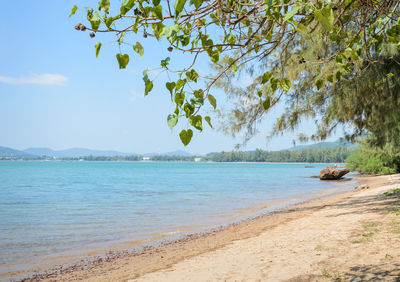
(383, 272)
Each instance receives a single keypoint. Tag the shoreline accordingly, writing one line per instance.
(168, 252)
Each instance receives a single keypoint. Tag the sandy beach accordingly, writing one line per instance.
(350, 237)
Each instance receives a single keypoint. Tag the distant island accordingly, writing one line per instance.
(321, 152)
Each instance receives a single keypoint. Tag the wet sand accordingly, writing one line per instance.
(353, 236)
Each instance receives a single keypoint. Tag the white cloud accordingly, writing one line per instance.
(33, 78)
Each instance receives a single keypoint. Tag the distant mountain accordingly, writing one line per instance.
(73, 152)
(173, 153)
(335, 144)
(40, 152)
(12, 153)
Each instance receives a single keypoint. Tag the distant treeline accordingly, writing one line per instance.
(314, 155)
(311, 155)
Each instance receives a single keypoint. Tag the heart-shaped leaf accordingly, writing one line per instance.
(172, 120)
(138, 48)
(123, 60)
(196, 122)
(186, 136)
(170, 86)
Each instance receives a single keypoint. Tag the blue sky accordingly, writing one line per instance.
(55, 93)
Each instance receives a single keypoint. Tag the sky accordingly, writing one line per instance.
(55, 93)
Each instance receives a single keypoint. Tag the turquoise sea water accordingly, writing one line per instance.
(54, 212)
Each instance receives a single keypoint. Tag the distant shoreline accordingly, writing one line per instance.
(157, 161)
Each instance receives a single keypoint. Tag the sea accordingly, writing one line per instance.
(57, 212)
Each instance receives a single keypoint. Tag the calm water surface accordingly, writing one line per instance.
(57, 211)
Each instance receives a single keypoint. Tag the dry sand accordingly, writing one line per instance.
(348, 237)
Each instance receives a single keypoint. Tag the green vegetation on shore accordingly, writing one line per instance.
(372, 159)
(315, 155)
(312, 155)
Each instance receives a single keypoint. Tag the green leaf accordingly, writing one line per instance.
(170, 86)
(197, 3)
(325, 18)
(156, 2)
(290, 15)
(319, 84)
(157, 12)
(338, 75)
(138, 48)
(196, 122)
(123, 60)
(180, 83)
(192, 75)
(148, 87)
(208, 120)
(104, 5)
(212, 101)
(266, 76)
(171, 32)
(186, 136)
(285, 84)
(179, 98)
(267, 103)
(165, 63)
(97, 48)
(234, 68)
(178, 6)
(330, 78)
(274, 84)
(158, 30)
(197, 101)
(189, 109)
(74, 9)
(109, 21)
(95, 21)
(127, 6)
(214, 57)
(172, 120)
(198, 93)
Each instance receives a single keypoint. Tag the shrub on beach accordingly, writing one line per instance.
(366, 159)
